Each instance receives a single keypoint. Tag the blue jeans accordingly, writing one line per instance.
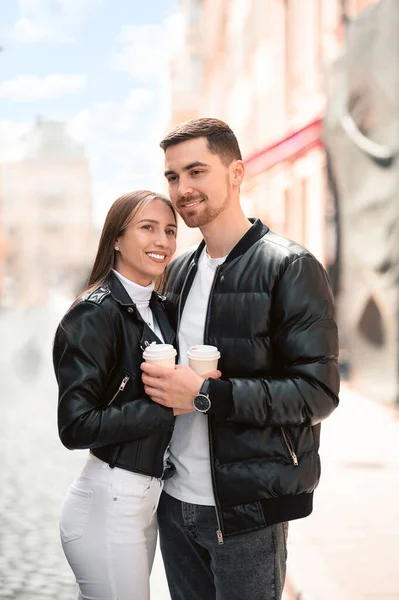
(249, 566)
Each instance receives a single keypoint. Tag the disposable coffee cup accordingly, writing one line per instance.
(160, 354)
(203, 359)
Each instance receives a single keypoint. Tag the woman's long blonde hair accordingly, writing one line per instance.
(119, 216)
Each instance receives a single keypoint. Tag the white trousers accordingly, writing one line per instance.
(108, 531)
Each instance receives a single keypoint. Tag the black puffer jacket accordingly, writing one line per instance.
(270, 313)
(102, 403)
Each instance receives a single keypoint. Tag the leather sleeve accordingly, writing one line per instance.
(305, 339)
(84, 354)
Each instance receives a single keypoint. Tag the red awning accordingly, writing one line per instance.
(291, 147)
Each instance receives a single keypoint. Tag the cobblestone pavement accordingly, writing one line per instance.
(348, 548)
(36, 470)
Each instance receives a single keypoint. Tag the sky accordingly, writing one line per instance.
(101, 66)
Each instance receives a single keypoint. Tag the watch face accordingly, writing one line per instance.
(201, 403)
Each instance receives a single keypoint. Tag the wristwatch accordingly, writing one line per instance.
(201, 401)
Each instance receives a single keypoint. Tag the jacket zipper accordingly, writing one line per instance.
(219, 533)
(290, 446)
(120, 389)
(208, 310)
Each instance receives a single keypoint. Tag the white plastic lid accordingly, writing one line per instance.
(158, 351)
(203, 352)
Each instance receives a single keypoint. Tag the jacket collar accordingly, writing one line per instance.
(253, 235)
(121, 296)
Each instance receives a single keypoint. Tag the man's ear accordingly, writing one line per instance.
(238, 171)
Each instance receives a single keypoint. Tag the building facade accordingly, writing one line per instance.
(258, 65)
(47, 218)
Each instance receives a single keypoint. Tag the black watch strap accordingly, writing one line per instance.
(201, 401)
(204, 389)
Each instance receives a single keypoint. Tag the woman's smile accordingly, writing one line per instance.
(156, 256)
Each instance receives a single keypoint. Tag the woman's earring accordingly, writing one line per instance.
(117, 248)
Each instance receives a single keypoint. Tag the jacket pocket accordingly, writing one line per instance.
(120, 389)
(75, 512)
(289, 446)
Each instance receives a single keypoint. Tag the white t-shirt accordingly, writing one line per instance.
(189, 447)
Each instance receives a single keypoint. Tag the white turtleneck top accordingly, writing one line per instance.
(141, 297)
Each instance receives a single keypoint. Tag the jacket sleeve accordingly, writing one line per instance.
(305, 341)
(83, 360)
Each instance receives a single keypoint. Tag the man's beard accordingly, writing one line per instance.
(196, 218)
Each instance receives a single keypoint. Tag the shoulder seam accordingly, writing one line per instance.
(296, 258)
(98, 295)
(289, 250)
(305, 256)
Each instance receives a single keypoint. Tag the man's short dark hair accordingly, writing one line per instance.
(220, 138)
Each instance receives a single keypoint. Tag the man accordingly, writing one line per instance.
(246, 451)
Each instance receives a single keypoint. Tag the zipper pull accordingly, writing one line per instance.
(294, 459)
(219, 535)
(144, 345)
(123, 383)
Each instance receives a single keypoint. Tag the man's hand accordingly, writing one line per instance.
(174, 388)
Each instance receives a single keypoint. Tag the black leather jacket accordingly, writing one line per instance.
(270, 313)
(102, 404)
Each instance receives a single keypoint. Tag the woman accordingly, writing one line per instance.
(108, 521)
